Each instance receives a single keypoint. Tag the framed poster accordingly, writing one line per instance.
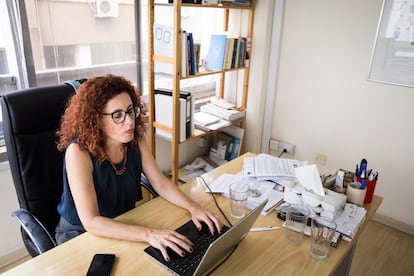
(392, 58)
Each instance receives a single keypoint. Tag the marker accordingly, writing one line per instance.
(258, 229)
(363, 184)
(363, 169)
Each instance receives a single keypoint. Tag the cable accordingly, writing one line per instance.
(228, 221)
(283, 152)
(215, 201)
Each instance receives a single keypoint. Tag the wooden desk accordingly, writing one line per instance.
(261, 253)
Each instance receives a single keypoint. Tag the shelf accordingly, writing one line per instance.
(197, 133)
(206, 73)
(176, 78)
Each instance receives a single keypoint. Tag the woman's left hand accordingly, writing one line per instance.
(199, 215)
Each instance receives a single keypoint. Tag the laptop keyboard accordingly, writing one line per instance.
(191, 260)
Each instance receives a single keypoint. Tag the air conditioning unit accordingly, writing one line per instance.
(106, 8)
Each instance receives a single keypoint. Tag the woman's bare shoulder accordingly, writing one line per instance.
(77, 155)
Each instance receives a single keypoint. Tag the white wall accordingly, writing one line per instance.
(325, 104)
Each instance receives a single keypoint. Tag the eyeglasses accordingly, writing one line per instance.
(119, 116)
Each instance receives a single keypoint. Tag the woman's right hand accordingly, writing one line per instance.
(162, 239)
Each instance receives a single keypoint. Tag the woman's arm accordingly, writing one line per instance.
(172, 193)
(80, 170)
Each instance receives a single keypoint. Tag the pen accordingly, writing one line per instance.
(363, 168)
(258, 229)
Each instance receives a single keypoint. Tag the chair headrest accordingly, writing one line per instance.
(75, 83)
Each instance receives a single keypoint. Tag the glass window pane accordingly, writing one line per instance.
(80, 39)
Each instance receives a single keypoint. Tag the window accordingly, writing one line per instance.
(100, 39)
(62, 40)
(68, 40)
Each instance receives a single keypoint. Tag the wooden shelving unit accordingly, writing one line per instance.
(176, 77)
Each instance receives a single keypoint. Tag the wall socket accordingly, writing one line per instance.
(290, 148)
(274, 145)
(321, 159)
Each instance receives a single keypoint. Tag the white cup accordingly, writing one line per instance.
(239, 192)
(355, 194)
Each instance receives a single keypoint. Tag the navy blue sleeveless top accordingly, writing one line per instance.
(116, 194)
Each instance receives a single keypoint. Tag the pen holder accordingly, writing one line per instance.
(370, 187)
(354, 194)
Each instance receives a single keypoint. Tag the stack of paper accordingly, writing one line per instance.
(266, 188)
(349, 221)
(205, 119)
(268, 167)
(206, 122)
(227, 114)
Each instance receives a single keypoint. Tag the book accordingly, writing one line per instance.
(184, 55)
(197, 47)
(190, 45)
(163, 112)
(216, 51)
(243, 52)
(234, 53)
(239, 53)
(236, 148)
(230, 149)
(223, 145)
(247, 55)
(229, 53)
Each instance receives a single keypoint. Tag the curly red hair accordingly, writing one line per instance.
(81, 120)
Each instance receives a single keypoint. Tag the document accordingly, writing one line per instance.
(267, 166)
(266, 189)
(349, 221)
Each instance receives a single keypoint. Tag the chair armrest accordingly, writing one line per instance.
(147, 185)
(34, 229)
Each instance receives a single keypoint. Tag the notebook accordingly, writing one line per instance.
(216, 249)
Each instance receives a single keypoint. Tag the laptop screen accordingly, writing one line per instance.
(220, 246)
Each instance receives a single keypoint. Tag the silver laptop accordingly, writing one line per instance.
(208, 250)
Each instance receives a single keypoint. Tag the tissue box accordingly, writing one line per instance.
(332, 203)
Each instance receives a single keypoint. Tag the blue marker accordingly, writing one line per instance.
(363, 168)
(363, 184)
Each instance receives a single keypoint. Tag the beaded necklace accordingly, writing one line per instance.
(123, 168)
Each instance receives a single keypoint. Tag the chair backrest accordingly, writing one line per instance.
(31, 118)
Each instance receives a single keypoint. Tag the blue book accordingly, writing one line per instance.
(191, 50)
(236, 148)
(216, 52)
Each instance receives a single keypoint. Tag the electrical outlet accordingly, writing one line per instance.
(274, 144)
(321, 159)
(289, 148)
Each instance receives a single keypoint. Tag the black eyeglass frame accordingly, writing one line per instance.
(133, 112)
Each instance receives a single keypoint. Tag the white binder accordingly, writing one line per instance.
(164, 113)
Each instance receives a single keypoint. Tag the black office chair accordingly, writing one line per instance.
(31, 118)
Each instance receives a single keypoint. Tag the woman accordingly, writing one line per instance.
(102, 135)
